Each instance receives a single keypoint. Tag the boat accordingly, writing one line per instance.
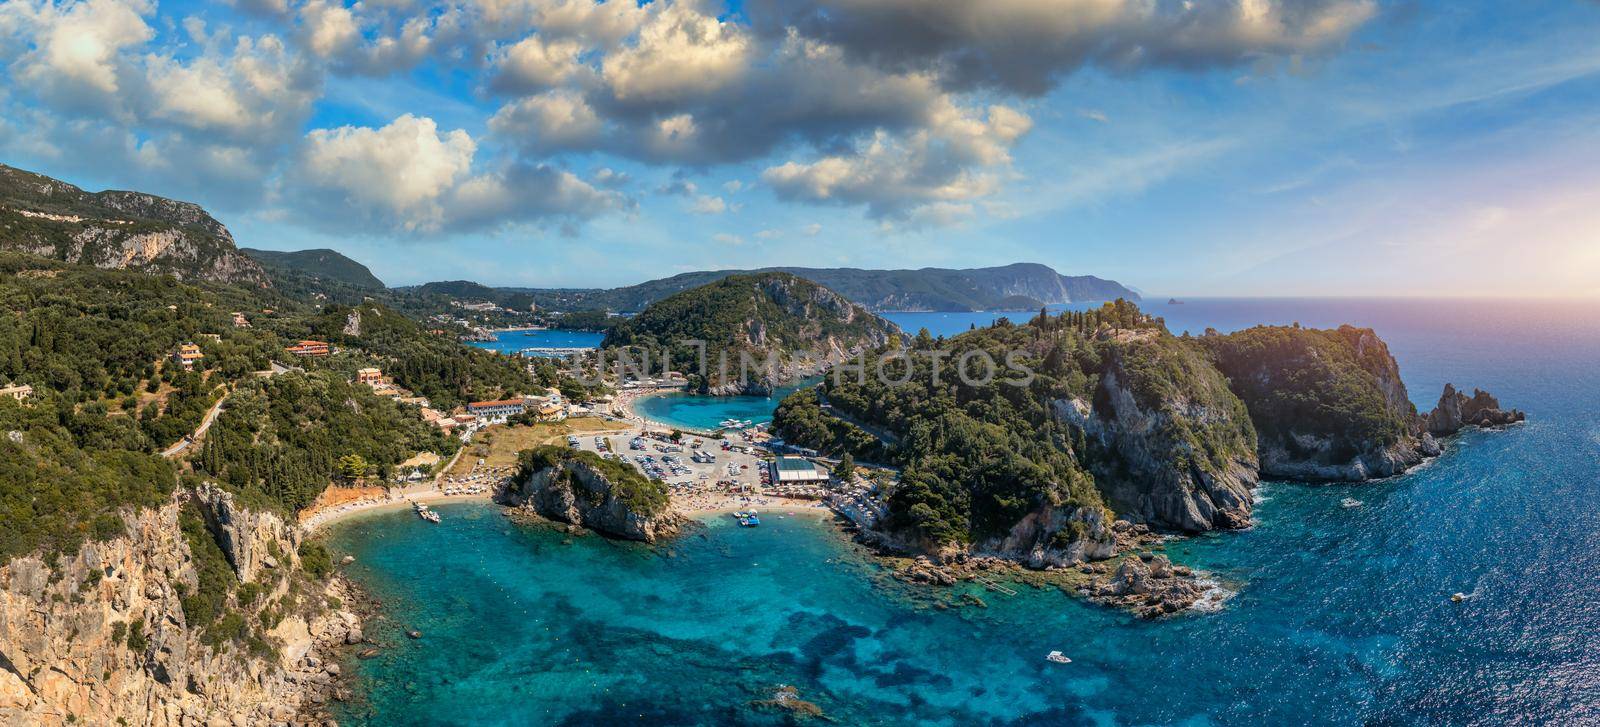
(1057, 657)
(1458, 597)
(750, 520)
(1351, 502)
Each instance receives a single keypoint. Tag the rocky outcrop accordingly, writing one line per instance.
(1457, 411)
(580, 489)
(100, 636)
(1168, 443)
(1055, 536)
(1157, 588)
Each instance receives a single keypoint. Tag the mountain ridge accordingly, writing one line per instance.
(119, 229)
(1004, 287)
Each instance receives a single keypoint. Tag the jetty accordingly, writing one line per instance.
(994, 585)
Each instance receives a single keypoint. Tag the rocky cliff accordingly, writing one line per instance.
(1168, 442)
(582, 489)
(103, 636)
(1330, 405)
(118, 229)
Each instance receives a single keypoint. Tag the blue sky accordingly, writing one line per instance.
(1231, 147)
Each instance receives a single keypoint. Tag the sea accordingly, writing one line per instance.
(1324, 614)
(514, 341)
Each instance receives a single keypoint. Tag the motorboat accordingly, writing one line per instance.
(1057, 657)
(1351, 502)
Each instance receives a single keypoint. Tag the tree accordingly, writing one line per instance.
(353, 466)
(846, 471)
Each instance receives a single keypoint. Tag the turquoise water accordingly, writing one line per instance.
(514, 341)
(708, 412)
(1341, 615)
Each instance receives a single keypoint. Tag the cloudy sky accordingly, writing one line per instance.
(1249, 147)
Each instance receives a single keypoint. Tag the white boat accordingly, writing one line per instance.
(1057, 657)
(1351, 502)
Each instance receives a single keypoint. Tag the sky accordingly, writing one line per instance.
(1184, 147)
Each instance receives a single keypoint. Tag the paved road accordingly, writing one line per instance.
(205, 423)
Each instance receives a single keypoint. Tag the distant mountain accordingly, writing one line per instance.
(466, 290)
(762, 313)
(318, 264)
(117, 229)
(1011, 287)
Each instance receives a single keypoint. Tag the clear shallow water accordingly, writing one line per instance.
(514, 341)
(708, 412)
(1342, 615)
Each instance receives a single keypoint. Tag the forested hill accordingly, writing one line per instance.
(769, 313)
(320, 264)
(116, 229)
(1021, 286)
(1115, 412)
(96, 348)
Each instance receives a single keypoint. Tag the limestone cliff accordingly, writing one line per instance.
(1168, 442)
(1330, 405)
(101, 636)
(582, 489)
(118, 229)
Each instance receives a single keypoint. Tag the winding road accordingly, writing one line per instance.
(191, 438)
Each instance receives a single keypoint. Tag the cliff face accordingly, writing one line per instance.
(1167, 441)
(101, 636)
(1330, 405)
(1327, 405)
(573, 488)
(117, 229)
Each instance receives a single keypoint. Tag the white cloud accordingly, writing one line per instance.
(330, 28)
(706, 204)
(726, 238)
(679, 52)
(401, 171)
(948, 163)
(78, 46)
(535, 64)
(559, 119)
(258, 91)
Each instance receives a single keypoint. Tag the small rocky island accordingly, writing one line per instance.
(585, 490)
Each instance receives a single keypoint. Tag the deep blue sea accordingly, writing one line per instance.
(514, 341)
(1341, 616)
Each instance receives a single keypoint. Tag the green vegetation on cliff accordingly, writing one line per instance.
(1340, 384)
(285, 437)
(642, 495)
(766, 313)
(48, 217)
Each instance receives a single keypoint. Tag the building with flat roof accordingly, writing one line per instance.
(501, 408)
(796, 470)
(18, 391)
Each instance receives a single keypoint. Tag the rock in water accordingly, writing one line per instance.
(583, 489)
(1457, 411)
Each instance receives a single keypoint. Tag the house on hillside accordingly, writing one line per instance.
(20, 392)
(369, 376)
(187, 355)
